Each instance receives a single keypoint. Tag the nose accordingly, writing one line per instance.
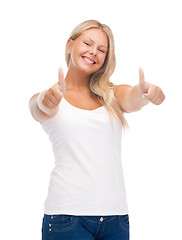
(93, 51)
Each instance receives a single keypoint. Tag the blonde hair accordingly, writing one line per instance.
(99, 83)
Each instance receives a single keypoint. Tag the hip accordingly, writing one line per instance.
(74, 227)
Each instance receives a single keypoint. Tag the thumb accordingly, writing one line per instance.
(141, 76)
(142, 84)
(60, 75)
(61, 80)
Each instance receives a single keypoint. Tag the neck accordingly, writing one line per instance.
(76, 80)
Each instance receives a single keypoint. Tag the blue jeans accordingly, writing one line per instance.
(71, 227)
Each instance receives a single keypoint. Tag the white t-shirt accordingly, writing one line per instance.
(88, 176)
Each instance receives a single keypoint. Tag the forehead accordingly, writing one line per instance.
(96, 35)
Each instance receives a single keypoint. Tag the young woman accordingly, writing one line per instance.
(83, 116)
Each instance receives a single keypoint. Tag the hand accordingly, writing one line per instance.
(149, 91)
(54, 94)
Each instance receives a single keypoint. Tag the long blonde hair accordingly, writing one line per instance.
(99, 84)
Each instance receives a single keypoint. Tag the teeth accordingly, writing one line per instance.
(88, 60)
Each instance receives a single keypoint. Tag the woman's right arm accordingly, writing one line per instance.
(45, 105)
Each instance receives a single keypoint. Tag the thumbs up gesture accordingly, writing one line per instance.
(48, 100)
(149, 91)
(54, 94)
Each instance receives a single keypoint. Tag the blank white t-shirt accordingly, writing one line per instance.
(88, 177)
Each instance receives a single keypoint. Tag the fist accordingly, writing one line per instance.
(149, 91)
(54, 94)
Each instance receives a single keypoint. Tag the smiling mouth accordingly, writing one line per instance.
(88, 60)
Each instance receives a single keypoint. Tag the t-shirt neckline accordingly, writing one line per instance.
(82, 108)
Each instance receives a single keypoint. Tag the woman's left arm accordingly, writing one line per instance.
(132, 99)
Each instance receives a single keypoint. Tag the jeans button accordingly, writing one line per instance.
(101, 219)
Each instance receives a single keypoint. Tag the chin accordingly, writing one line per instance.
(87, 71)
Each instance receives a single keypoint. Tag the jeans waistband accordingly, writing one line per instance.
(91, 218)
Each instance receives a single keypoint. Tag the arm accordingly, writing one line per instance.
(132, 99)
(36, 113)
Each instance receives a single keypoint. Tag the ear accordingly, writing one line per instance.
(69, 45)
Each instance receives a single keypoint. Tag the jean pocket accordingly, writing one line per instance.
(62, 222)
(124, 222)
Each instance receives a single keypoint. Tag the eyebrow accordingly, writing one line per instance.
(93, 41)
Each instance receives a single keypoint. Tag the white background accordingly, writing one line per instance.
(147, 34)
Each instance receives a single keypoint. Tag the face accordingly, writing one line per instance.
(88, 51)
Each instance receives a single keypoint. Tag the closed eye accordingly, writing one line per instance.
(101, 50)
(87, 43)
